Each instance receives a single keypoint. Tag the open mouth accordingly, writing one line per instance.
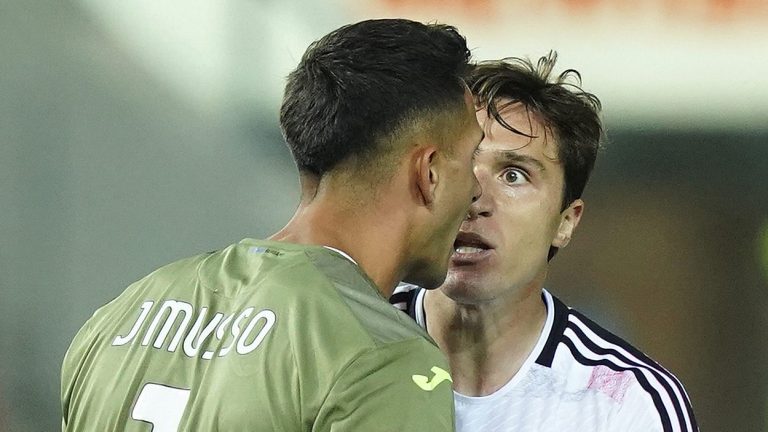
(469, 244)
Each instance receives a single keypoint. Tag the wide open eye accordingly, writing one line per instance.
(514, 176)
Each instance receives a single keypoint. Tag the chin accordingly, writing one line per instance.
(459, 276)
(465, 298)
(461, 288)
(431, 273)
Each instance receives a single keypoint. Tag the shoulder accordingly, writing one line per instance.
(404, 385)
(320, 291)
(362, 299)
(598, 360)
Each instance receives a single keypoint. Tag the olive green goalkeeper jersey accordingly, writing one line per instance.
(261, 336)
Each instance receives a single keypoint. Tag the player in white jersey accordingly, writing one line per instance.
(521, 360)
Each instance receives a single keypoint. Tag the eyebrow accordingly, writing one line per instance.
(510, 156)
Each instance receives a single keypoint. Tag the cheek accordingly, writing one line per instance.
(512, 194)
(463, 187)
(527, 232)
(467, 177)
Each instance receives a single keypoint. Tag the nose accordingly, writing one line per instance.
(480, 208)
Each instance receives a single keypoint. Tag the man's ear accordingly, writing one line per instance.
(569, 220)
(425, 174)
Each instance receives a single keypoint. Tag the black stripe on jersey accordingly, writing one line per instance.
(665, 421)
(556, 334)
(649, 362)
(402, 297)
(411, 310)
(407, 297)
(635, 368)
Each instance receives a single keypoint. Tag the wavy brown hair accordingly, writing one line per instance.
(571, 113)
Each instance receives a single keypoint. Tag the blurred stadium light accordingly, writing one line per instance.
(660, 63)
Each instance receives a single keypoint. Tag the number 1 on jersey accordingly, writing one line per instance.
(162, 406)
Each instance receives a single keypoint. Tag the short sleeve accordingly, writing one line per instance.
(403, 386)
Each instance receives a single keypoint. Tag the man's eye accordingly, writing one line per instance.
(514, 176)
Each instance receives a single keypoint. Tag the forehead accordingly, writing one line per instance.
(541, 142)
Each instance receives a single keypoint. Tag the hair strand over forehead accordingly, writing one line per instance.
(559, 101)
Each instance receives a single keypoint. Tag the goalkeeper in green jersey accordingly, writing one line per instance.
(294, 333)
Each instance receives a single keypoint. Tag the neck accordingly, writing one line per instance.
(486, 344)
(372, 236)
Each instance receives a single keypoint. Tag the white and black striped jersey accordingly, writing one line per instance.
(579, 377)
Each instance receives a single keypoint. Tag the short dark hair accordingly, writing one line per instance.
(570, 112)
(357, 86)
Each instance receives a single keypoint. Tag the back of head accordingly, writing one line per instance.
(363, 84)
(571, 113)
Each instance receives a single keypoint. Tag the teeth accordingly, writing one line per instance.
(467, 250)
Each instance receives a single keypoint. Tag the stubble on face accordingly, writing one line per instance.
(456, 188)
(519, 211)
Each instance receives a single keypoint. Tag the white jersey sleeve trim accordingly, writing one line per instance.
(342, 253)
